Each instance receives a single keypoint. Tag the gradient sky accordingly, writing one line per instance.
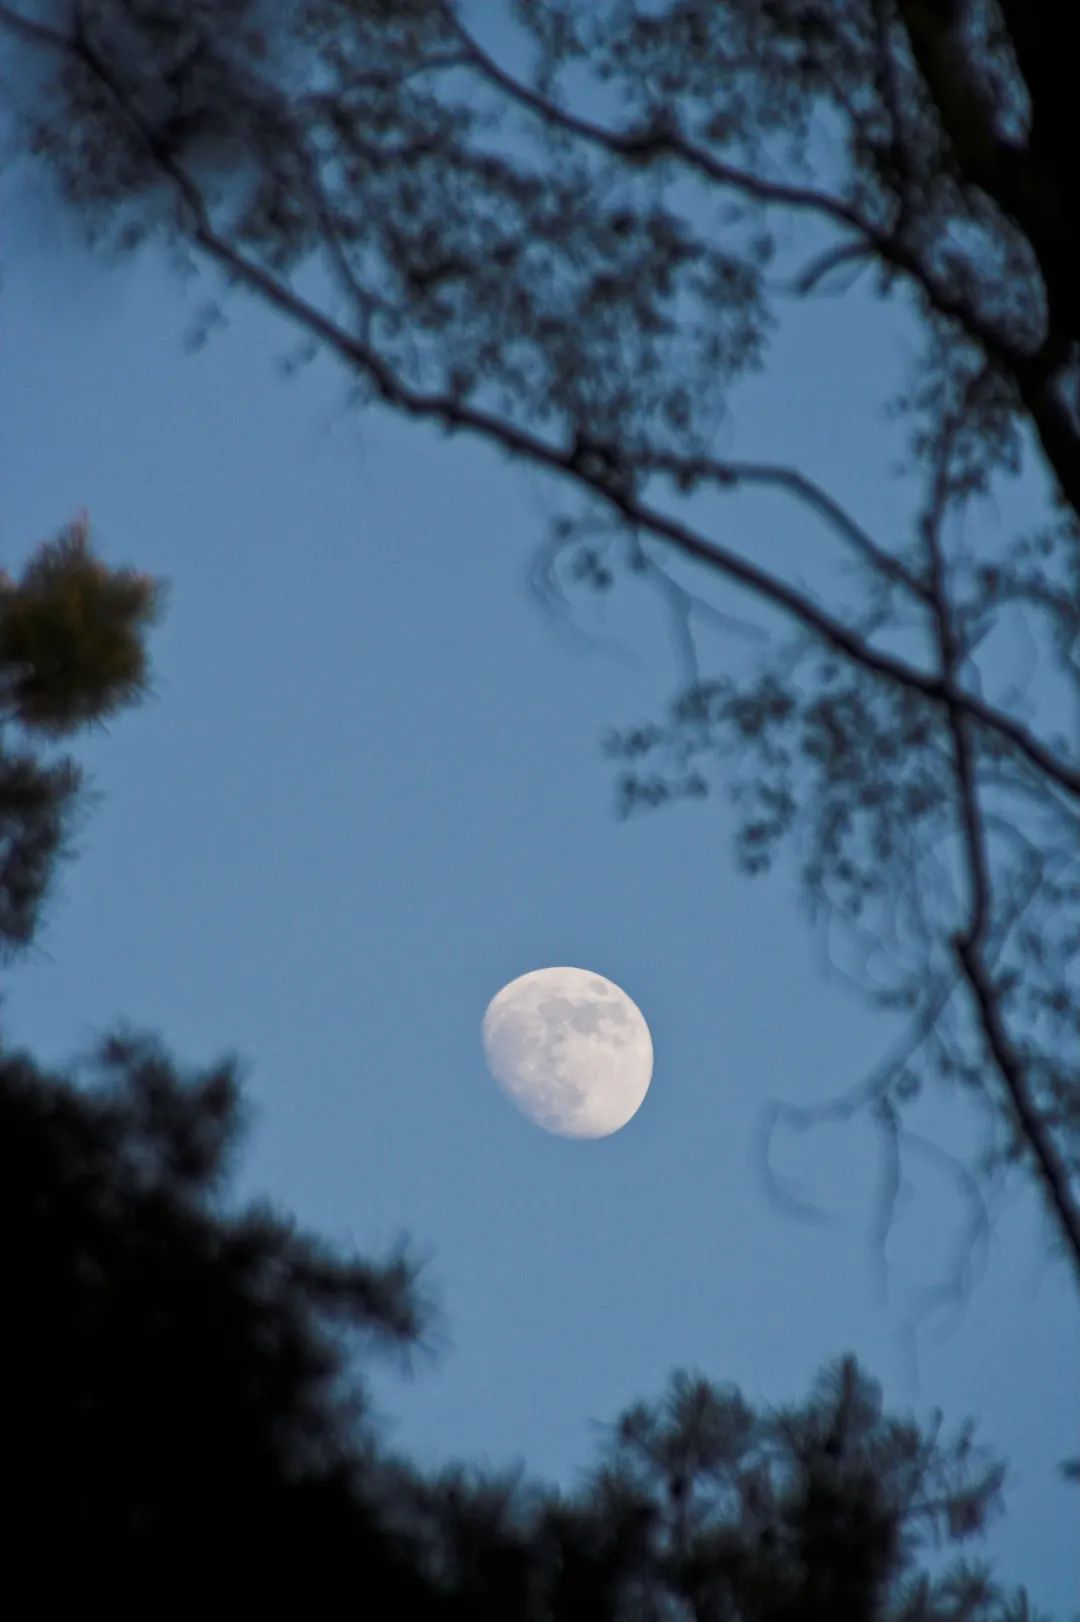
(369, 791)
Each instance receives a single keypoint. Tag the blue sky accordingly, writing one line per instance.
(369, 791)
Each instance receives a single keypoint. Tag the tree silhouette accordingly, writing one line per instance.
(578, 262)
(808, 1513)
(186, 1430)
(178, 1439)
(177, 1419)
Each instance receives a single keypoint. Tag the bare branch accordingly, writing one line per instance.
(869, 1092)
(728, 475)
(37, 32)
(841, 253)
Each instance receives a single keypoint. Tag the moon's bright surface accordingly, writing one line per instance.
(570, 1049)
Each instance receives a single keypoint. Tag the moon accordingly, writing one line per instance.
(570, 1049)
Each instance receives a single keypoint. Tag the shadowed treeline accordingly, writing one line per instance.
(185, 1431)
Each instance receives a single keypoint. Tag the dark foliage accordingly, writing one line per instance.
(178, 1439)
(36, 805)
(184, 1416)
(184, 1432)
(578, 248)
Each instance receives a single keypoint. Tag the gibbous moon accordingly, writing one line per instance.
(570, 1049)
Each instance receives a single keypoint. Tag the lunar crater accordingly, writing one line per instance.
(570, 1049)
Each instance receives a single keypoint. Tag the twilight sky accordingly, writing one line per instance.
(369, 791)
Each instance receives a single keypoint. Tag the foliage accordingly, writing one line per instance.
(37, 803)
(579, 259)
(72, 652)
(71, 635)
(186, 1424)
(180, 1410)
(177, 1422)
(184, 1418)
(811, 1512)
(705, 1508)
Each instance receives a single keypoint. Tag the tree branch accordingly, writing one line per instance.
(613, 480)
(1029, 371)
(841, 253)
(653, 141)
(36, 32)
(1030, 1124)
(454, 414)
(968, 943)
(728, 475)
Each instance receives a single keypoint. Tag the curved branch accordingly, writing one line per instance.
(728, 475)
(867, 1093)
(823, 264)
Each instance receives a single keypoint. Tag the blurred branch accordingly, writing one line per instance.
(968, 942)
(571, 461)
